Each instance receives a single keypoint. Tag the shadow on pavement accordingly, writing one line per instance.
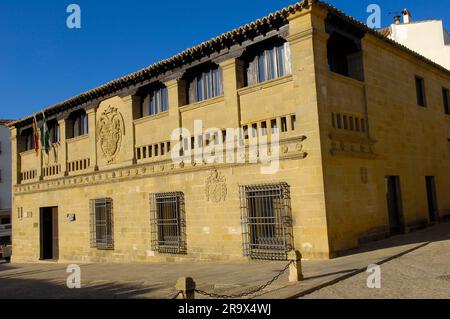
(44, 289)
(434, 233)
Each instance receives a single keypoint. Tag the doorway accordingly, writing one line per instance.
(49, 233)
(394, 201)
(432, 199)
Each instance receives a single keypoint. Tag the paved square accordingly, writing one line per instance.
(415, 265)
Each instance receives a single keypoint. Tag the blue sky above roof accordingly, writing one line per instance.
(42, 62)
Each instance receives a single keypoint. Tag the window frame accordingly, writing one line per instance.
(167, 215)
(107, 240)
(272, 62)
(275, 230)
(206, 84)
(420, 91)
(154, 101)
(446, 100)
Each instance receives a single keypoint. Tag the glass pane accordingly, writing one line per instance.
(208, 88)
(280, 61)
(200, 89)
(271, 64)
(152, 105)
(262, 67)
(165, 100)
(216, 84)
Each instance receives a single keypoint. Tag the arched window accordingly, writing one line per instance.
(205, 83)
(77, 124)
(155, 100)
(268, 62)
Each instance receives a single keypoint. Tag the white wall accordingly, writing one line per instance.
(427, 38)
(5, 167)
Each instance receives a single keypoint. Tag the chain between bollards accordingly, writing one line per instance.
(186, 286)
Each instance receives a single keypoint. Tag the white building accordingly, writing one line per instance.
(5, 175)
(428, 38)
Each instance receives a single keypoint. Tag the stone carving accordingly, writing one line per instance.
(110, 131)
(216, 187)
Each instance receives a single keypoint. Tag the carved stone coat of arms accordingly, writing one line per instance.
(110, 132)
(216, 187)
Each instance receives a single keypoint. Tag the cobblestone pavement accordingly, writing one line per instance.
(423, 273)
(413, 266)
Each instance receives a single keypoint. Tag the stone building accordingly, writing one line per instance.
(428, 38)
(364, 131)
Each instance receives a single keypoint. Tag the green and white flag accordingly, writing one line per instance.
(46, 144)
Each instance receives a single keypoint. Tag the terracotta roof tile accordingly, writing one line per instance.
(386, 32)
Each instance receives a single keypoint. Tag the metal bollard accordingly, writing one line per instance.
(295, 269)
(186, 287)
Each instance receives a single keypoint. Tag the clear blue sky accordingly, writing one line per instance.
(42, 62)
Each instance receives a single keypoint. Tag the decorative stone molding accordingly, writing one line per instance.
(163, 167)
(110, 132)
(352, 145)
(216, 187)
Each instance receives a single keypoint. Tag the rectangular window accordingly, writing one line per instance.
(154, 102)
(264, 128)
(273, 126)
(102, 230)
(284, 124)
(206, 86)
(446, 99)
(345, 122)
(266, 221)
(339, 121)
(168, 225)
(294, 122)
(269, 64)
(420, 91)
(54, 132)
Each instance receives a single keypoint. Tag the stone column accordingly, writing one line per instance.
(92, 122)
(233, 80)
(176, 90)
(131, 104)
(307, 39)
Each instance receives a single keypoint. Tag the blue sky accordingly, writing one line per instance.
(42, 62)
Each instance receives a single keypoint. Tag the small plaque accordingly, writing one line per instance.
(71, 217)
